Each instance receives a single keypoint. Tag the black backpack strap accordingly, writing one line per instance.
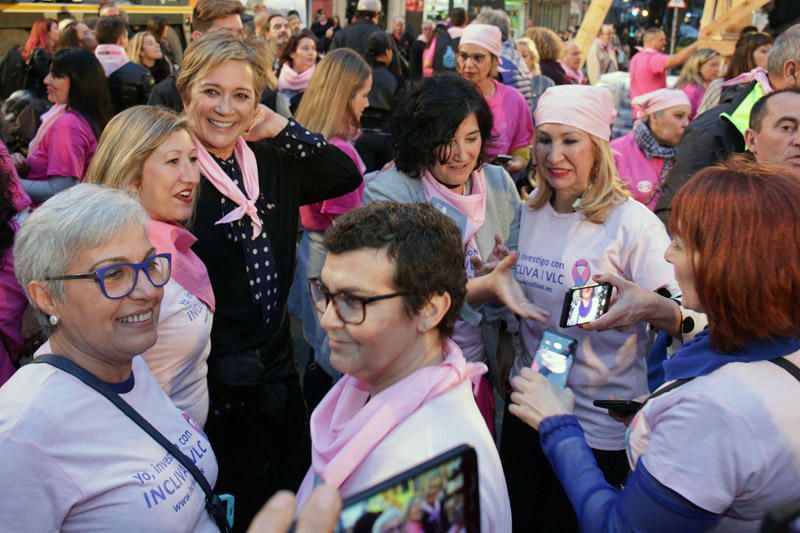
(214, 506)
(788, 366)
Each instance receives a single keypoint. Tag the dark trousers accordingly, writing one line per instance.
(538, 501)
(259, 433)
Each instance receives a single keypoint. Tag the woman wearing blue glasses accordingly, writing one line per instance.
(72, 461)
(149, 151)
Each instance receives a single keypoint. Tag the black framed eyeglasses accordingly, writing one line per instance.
(463, 57)
(350, 309)
(118, 280)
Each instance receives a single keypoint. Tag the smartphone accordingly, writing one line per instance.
(623, 407)
(438, 495)
(502, 159)
(584, 304)
(553, 357)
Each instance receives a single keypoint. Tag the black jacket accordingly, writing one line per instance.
(383, 98)
(708, 140)
(443, 42)
(129, 85)
(355, 36)
(165, 93)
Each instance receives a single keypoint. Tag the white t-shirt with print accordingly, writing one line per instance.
(729, 442)
(72, 461)
(558, 251)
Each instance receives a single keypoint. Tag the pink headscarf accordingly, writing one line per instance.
(483, 35)
(588, 108)
(659, 100)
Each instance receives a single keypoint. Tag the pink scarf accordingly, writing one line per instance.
(290, 80)
(111, 57)
(187, 268)
(757, 74)
(48, 119)
(345, 427)
(472, 206)
(223, 183)
(576, 76)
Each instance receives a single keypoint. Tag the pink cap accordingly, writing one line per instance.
(588, 108)
(484, 35)
(659, 100)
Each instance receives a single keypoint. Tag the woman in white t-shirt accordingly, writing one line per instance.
(718, 446)
(149, 151)
(73, 461)
(579, 222)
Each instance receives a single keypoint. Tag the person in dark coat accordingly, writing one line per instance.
(355, 36)
(129, 83)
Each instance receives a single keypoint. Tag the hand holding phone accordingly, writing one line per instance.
(553, 357)
(584, 304)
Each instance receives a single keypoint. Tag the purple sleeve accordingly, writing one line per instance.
(18, 197)
(71, 156)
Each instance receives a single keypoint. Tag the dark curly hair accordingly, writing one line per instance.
(427, 119)
(424, 244)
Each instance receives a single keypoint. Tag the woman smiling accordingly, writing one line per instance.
(149, 151)
(246, 226)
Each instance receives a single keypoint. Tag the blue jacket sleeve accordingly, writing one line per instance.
(643, 505)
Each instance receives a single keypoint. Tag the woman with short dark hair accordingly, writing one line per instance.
(717, 446)
(64, 144)
(406, 394)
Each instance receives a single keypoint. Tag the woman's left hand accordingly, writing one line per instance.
(499, 252)
(535, 398)
(506, 289)
(266, 124)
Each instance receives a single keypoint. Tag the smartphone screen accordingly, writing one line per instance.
(440, 495)
(553, 358)
(584, 304)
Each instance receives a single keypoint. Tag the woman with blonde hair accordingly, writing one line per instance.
(579, 221)
(551, 50)
(333, 103)
(144, 49)
(539, 82)
(696, 75)
(257, 169)
(149, 151)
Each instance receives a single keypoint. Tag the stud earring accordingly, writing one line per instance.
(53, 320)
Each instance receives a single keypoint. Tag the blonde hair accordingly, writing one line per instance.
(531, 46)
(690, 73)
(606, 190)
(127, 141)
(326, 106)
(135, 46)
(214, 49)
(548, 43)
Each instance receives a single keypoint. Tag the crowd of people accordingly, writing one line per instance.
(414, 210)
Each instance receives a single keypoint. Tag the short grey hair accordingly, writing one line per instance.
(785, 48)
(495, 17)
(83, 216)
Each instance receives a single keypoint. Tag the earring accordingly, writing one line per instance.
(595, 172)
(422, 327)
(53, 320)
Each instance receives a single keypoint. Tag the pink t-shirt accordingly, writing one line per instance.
(695, 94)
(319, 216)
(513, 126)
(558, 251)
(728, 442)
(648, 71)
(65, 150)
(641, 175)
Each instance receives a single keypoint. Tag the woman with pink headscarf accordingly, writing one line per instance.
(578, 222)
(645, 156)
(477, 61)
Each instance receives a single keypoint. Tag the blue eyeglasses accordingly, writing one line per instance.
(118, 280)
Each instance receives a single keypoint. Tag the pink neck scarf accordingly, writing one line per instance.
(289, 80)
(757, 74)
(111, 57)
(472, 206)
(223, 183)
(47, 120)
(575, 75)
(187, 268)
(345, 427)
